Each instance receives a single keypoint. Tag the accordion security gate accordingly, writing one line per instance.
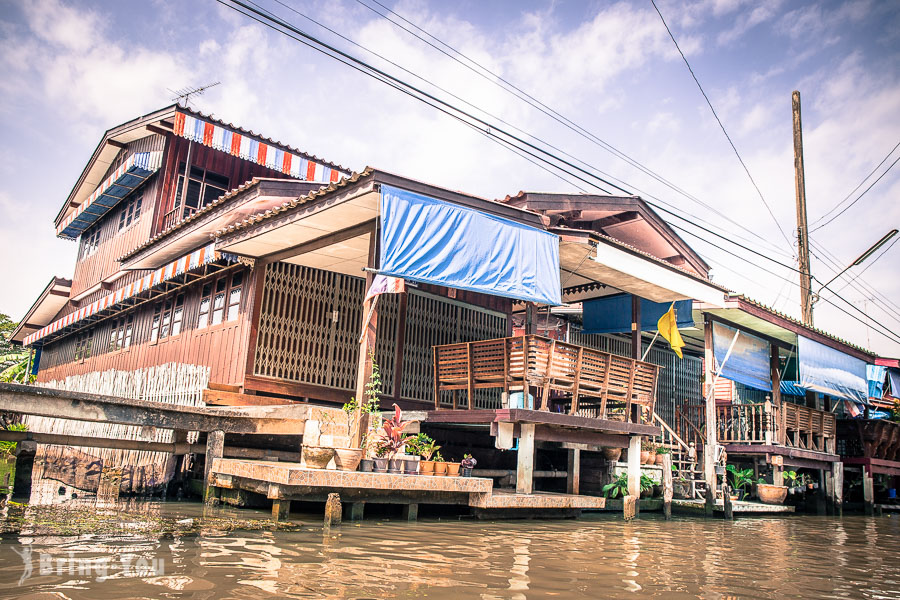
(309, 327)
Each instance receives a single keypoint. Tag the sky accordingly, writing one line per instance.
(71, 70)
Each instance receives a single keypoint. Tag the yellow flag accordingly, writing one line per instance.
(668, 328)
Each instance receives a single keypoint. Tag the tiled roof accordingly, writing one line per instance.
(184, 222)
(800, 323)
(294, 202)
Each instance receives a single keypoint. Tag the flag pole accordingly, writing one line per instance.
(644, 357)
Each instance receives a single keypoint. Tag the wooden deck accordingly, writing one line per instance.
(737, 507)
(587, 381)
(538, 417)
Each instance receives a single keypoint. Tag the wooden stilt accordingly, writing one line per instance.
(573, 472)
(837, 470)
(629, 507)
(726, 500)
(829, 492)
(525, 465)
(333, 510)
(411, 512)
(868, 491)
(281, 508)
(667, 484)
(634, 470)
(357, 509)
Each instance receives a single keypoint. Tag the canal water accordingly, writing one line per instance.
(597, 556)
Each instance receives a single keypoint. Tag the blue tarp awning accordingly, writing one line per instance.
(792, 388)
(124, 180)
(829, 371)
(750, 359)
(432, 241)
(613, 314)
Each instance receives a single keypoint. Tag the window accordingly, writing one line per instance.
(90, 241)
(168, 317)
(203, 188)
(83, 344)
(121, 333)
(131, 210)
(221, 300)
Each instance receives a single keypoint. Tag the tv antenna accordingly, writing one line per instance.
(183, 95)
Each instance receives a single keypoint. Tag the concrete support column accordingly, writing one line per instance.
(573, 473)
(25, 453)
(837, 473)
(525, 465)
(215, 445)
(634, 474)
(411, 512)
(868, 491)
(356, 510)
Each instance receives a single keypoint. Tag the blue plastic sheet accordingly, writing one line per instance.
(749, 361)
(875, 377)
(433, 241)
(829, 371)
(613, 314)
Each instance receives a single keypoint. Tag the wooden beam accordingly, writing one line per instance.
(116, 144)
(539, 417)
(709, 395)
(215, 443)
(323, 242)
(157, 130)
(525, 461)
(222, 398)
(573, 471)
(634, 470)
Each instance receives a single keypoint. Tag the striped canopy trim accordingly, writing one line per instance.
(186, 263)
(124, 180)
(251, 148)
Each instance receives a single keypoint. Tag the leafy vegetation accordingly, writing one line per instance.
(619, 486)
(9, 448)
(13, 359)
(741, 479)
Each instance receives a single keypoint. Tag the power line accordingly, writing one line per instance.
(871, 262)
(719, 121)
(450, 110)
(858, 197)
(529, 99)
(853, 191)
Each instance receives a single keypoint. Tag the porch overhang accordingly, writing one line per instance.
(52, 300)
(587, 258)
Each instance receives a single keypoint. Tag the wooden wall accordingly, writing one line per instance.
(222, 347)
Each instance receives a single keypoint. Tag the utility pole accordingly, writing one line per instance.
(806, 297)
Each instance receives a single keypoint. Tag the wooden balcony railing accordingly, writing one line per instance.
(586, 379)
(764, 423)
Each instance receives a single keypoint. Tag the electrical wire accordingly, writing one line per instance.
(359, 65)
(858, 198)
(719, 121)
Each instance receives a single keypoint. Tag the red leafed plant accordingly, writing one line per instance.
(392, 438)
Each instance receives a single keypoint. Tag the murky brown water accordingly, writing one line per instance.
(595, 557)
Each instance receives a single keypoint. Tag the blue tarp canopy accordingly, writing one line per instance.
(613, 314)
(791, 388)
(894, 376)
(433, 241)
(750, 359)
(829, 371)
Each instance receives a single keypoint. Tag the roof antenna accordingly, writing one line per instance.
(183, 95)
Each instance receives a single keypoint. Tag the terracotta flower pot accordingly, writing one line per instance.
(453, 469)
(347, 459)
(440, 469)
(660, 458)
(317, 457)
(645, 457)
(771, 494)
(612, 454)
(426, 467)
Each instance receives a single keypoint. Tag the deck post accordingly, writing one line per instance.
(868, 491)
(281, 508)
(369, 329)
(25, 453)
(634, 471)
(667, 485)
(215, 445)
(726, 503)
(525, 464)
(837, 471)
(410, 512)
(821, 508)
(573, 472)
(829, 491)
(710, 444)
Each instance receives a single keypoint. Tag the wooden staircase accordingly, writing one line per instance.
(686, 465)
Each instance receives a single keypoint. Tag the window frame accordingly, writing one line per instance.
(224, 286)
(168, 315)
(179, 203)
(131, 210)
(122, 333)
(90, 242)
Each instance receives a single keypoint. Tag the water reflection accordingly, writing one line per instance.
(595, 557)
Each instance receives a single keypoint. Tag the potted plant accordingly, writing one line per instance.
(358, 413)
(381, 461)
(661, 452)
(453, 468)
(424, 447)
(318, 450)
(740, 480)
(393, 440)
(468, 463)
(647, 450)
(612, 454)
(617, 487)
(794, 481)
(440, 466)
(771, 493)
(647, 486)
